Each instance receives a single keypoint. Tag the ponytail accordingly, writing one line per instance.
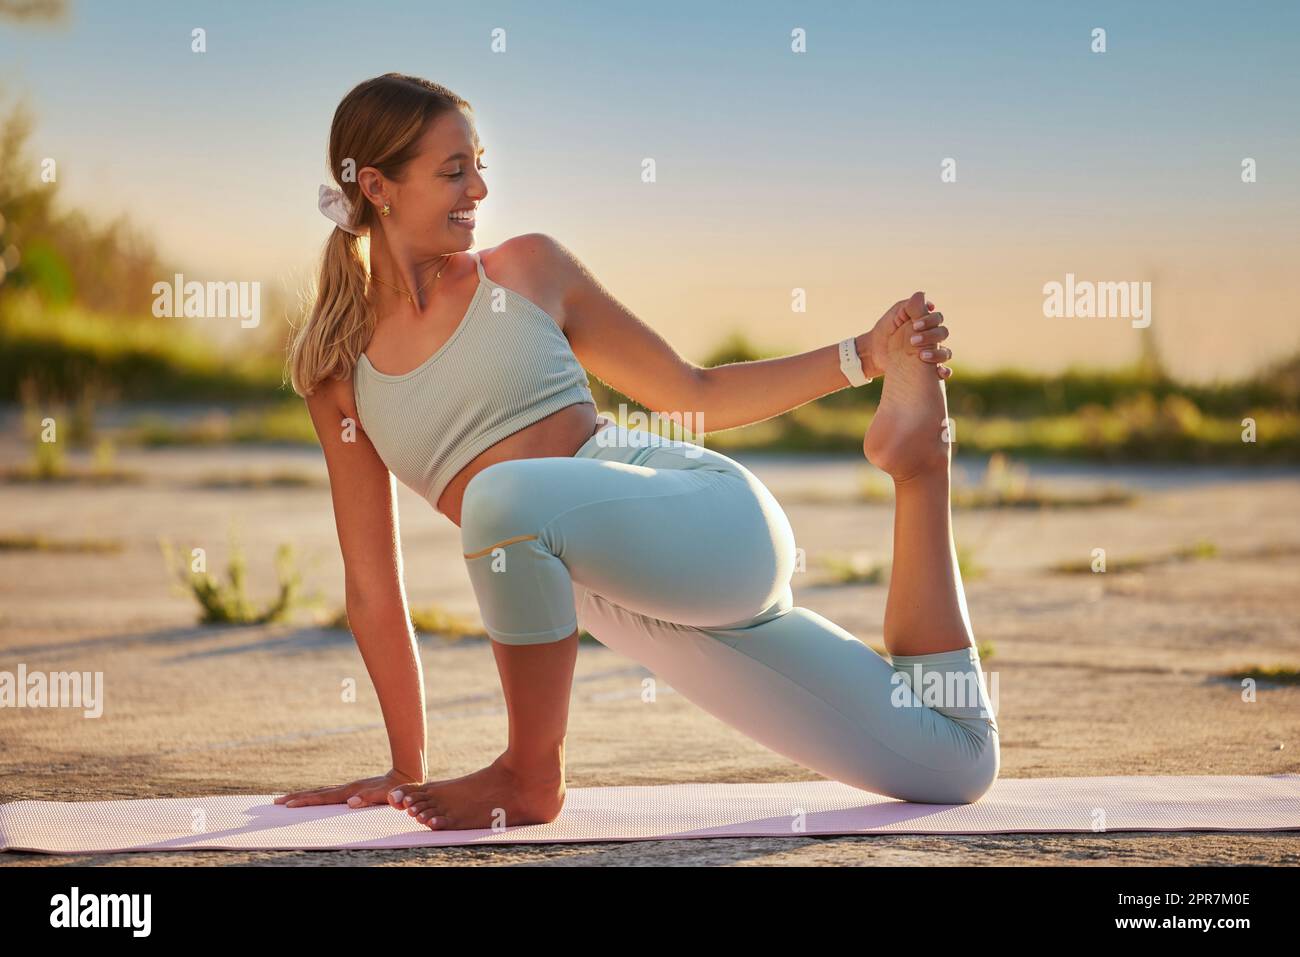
(341, 320)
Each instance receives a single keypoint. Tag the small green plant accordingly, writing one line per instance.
(48, 461)
(105, 454)
(861, 569)
(1277, 674)
(1006, 485)
(1200, 549)
(228, 602)
(39, 543)
(856, 569)
(279, 478)
(873, 488)
(435, 620)
(155, 430)
(966, 564)
(81, 419)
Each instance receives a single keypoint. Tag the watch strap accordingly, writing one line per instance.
(851, 364)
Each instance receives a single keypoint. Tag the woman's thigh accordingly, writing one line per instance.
(671, 530)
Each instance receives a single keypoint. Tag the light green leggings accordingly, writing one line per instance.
(679, 558)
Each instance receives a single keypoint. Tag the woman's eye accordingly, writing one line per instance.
(461, 172)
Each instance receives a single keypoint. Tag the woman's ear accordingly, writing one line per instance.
(373, 185)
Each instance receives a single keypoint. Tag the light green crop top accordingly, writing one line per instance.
(507, 365)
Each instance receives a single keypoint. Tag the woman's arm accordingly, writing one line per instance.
(621, 350)
(365, 513)
(742, 393)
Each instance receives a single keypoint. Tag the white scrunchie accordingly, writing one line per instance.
(336, 207)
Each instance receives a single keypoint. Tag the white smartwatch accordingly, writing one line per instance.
(851, 365)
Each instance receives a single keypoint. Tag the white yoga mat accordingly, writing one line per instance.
(667, 812)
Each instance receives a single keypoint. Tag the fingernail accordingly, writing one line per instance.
(354, 800)
(917, 339)
(395, 795)
(919, 324)
(927, 354)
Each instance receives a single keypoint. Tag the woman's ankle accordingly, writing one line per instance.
(934, 476)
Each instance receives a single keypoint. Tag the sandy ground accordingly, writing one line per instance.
(1097, 674)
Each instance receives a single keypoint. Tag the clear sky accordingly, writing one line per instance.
(775, 170)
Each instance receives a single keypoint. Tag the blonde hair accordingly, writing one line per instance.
(379, 123)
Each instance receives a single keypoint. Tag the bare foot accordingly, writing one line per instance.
(493, 797)
(910, 432)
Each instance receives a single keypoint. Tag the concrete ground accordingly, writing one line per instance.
(1098, 674)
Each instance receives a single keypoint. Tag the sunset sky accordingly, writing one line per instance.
(776, 170)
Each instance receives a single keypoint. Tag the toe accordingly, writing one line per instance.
(408, 793)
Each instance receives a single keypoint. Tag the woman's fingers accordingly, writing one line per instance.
(908, 310)
(323, 796)
(286, 798)
(930, 336)
(944, 371)
(927, 322)
(330, 795)
(375, 795)
(926, 333)
(368, 796)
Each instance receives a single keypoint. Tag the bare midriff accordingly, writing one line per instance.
(559, 434)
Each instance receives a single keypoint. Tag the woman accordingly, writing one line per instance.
(463, 376)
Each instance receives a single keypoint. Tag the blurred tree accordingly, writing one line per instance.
(63, 256)
(34, 11)
(736, 347)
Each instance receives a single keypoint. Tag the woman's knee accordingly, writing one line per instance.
(495, 506)
(963, 782)
(970, 783)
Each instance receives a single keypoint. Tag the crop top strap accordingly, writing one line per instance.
(478, 260)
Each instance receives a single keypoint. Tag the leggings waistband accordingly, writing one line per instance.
(633, 446)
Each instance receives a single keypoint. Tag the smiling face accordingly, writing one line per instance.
(434, 201)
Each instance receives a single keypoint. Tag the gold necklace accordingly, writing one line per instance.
(410, 297)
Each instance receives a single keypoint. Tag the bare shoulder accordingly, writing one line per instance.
(333, 398)
(526, 253)
(537, 266)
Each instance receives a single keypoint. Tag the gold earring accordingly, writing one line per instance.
(386, 210)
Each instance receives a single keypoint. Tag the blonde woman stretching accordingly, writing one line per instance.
(464, 376)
